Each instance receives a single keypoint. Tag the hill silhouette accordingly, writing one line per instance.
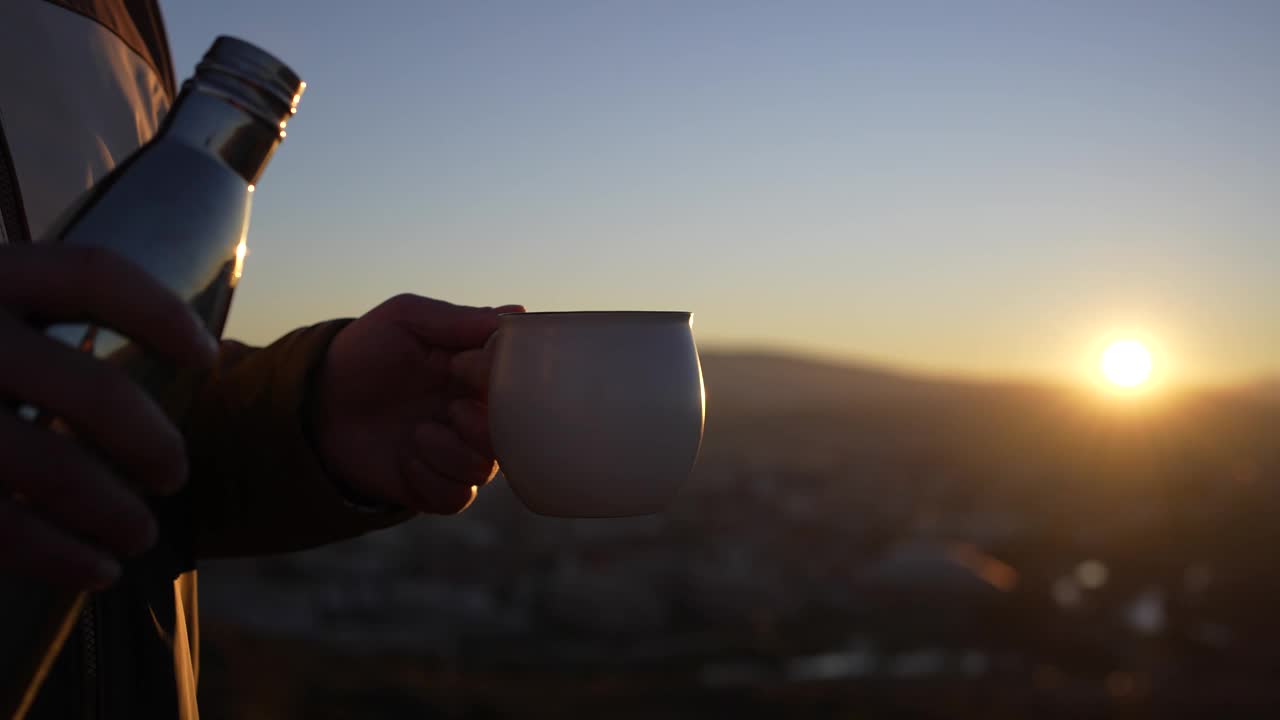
(782, 405)
(746, 381)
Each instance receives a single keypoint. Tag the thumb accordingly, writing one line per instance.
(502, 310)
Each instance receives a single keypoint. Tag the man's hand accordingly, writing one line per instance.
(70, 506)
(399, 411)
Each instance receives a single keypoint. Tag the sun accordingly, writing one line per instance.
(1126, 363)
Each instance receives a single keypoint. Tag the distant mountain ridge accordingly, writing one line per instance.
(775, 381)
(781, 381)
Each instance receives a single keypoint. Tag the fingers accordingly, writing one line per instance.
(429, 492)
(444, 452)
(102, 405)
(32, 548)
(441, 324)
(75, 515)
(442, 472)
(69, 488)
(471, 368)
(63, 283)
(470, 420)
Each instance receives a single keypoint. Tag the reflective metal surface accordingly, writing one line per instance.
(179, 208)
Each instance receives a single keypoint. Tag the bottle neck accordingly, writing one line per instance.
(207, 119)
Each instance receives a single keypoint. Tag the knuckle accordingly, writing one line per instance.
(402, 303)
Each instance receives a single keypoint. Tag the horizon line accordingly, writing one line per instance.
(906, 370)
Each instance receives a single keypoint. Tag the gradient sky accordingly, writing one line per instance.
(988, 188)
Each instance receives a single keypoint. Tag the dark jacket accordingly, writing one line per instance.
(98, 88)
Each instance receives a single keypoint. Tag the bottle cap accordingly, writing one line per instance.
(252, 78)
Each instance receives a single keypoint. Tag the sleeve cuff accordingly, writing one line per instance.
(259, 486)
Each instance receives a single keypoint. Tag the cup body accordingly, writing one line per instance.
(596, 414)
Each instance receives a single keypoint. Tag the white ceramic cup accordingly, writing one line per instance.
(596, 414)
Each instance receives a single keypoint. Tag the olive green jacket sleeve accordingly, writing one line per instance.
(256, 484)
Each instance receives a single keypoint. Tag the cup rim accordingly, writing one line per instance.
(597, 313)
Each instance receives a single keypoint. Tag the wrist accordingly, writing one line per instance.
(321, 426)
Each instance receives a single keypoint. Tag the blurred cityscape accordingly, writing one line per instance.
(853, 544)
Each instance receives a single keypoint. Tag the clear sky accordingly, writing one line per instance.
(978, 187)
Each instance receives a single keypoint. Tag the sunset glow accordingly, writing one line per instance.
(782, 174)
(1126, 363)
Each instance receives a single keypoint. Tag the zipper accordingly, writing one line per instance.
(13, 218)
(91, 692)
